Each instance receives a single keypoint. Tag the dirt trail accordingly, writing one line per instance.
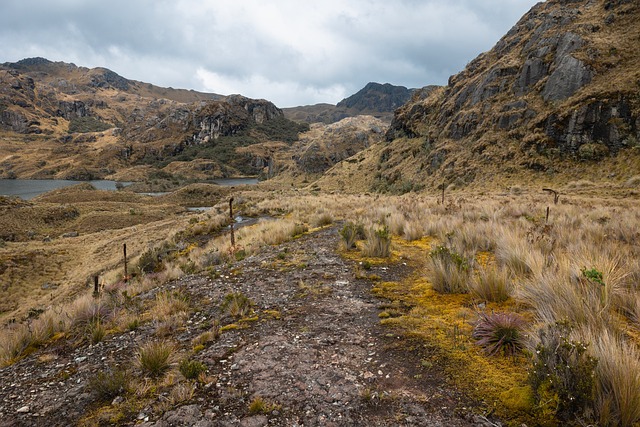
(316, 351)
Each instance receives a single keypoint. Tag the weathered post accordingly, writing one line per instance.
(443, 192)
(556, 195)
(233, 237)
(547, 218)
(96, 287)
(126, 274)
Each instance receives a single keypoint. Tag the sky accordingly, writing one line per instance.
(291, 52)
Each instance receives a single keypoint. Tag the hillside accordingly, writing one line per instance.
(62, 121)
(556, 100)
(375, 99)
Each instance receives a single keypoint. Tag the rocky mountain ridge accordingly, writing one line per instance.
(64, 121)
(375, 99)
(556, 98)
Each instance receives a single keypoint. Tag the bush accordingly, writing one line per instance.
(191, 369)
(350, 233)
(155, 358)
(562, 377)
(450, 271)
(378, 243)
(500, 332)
(87, 124)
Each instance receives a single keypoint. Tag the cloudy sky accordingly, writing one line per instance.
(291, 52)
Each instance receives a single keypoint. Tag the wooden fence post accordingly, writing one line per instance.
(96, 287)
(233, 238)
(126, 274)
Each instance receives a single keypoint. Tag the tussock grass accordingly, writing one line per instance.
(155, 358)
(492, 283)
(617, 379)
(378, 243)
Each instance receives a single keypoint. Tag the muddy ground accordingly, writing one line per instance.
(316, 353)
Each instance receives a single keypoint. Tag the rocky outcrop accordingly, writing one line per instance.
(72, 109)
(228, 117)
(325, 145)
(545, 88)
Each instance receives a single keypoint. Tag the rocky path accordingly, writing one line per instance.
(319, 357)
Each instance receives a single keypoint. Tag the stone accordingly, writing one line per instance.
(23, 409)
(570, 76)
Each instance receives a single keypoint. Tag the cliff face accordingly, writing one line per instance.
(563, 84)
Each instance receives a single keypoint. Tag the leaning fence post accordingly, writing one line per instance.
(547, 218)
(233, 238)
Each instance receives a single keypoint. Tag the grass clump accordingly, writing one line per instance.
(260, 406)
(236, 304)
(106, 385)
(191, 369)
(155, 358)
(492, 284)
(378, 243)
(500, 333)
(450, 272)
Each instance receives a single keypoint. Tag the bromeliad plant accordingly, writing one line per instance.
(500, 333)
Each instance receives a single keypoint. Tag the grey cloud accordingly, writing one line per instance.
(315, 46)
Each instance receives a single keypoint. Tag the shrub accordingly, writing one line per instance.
(450, 271)
(155, 358)
(378, 243)
(562, 377)
(349, 233)
(108, 384)
(87, 124)
(191, 369)
(500, 332)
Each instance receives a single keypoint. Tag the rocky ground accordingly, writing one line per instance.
(316, 353)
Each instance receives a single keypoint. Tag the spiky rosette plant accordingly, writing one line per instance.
(499, 332)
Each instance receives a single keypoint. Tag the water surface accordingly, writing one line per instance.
(30, 188)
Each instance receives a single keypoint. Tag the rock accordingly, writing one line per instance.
(570, 76)
(70, 234)
(23, 410)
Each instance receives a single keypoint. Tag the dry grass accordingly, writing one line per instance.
(492, 283)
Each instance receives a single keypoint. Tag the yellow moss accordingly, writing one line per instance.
(444, 321)
(273, 313)
(229, 327)
(518, 399)
(249, 319)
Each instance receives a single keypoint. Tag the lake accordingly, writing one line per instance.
(30, 188)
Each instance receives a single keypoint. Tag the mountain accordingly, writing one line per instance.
(63, 121)
(375, 99)
(556, 99)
